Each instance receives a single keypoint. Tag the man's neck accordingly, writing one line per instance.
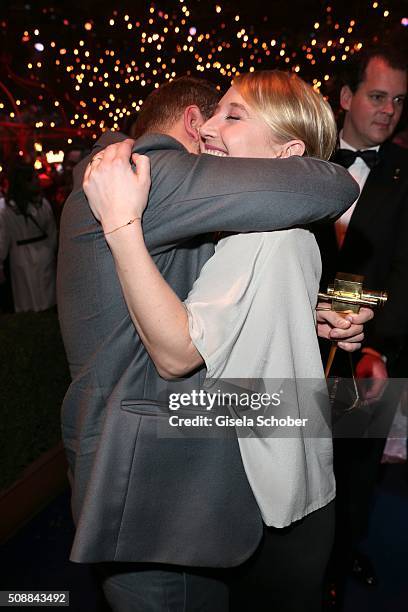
(348, 142)
(178, 132)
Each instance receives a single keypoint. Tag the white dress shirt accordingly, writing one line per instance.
(359, 171)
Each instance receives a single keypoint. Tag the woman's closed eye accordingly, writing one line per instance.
(234, 117)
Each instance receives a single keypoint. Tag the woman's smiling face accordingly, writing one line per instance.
(236, 130)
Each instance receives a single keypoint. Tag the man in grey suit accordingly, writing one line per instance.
(160, 507)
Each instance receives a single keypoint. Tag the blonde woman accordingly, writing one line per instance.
(251, 315)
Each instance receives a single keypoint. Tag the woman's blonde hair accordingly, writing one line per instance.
(291, 108)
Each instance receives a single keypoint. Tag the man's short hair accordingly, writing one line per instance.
(164, 106)
(355, 71)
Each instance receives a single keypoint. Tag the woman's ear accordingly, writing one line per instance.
(193, 120)
(293, 147)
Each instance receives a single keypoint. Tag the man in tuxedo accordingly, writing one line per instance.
(370, 239)
(160, 507)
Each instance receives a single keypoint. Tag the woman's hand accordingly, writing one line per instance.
(347, 331)
(117, 193)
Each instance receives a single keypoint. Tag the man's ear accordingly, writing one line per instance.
(193, 120)
(293, 147)
(346, 96)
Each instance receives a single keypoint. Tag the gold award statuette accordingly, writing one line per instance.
(347, 295)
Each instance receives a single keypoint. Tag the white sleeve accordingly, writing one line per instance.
(4, 237)
(221, 297)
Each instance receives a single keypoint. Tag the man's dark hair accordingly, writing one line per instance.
(355, 71)
(163, 106)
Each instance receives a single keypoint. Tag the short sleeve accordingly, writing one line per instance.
(220, 299)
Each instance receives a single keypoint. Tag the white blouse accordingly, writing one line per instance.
(252, 316)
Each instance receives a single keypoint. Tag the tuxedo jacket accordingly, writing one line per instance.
(376, 246)
(138, 494)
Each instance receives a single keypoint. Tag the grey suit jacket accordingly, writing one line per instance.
(136, 496)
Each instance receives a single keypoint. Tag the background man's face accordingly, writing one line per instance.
(374, 110)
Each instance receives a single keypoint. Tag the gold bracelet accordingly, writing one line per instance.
(120, 226)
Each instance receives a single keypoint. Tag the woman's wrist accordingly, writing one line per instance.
(110, 228)
(124, 241)
(112, 223)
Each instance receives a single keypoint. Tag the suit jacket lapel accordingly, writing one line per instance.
(376, 192)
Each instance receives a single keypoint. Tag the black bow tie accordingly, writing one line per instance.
(346, 157)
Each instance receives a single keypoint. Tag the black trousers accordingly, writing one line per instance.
(357, 458)
(287, 571)
(284, 575)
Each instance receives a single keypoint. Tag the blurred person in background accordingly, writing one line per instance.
(28, 237)
(370, 239)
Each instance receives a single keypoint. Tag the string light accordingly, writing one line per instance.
(160, 46)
